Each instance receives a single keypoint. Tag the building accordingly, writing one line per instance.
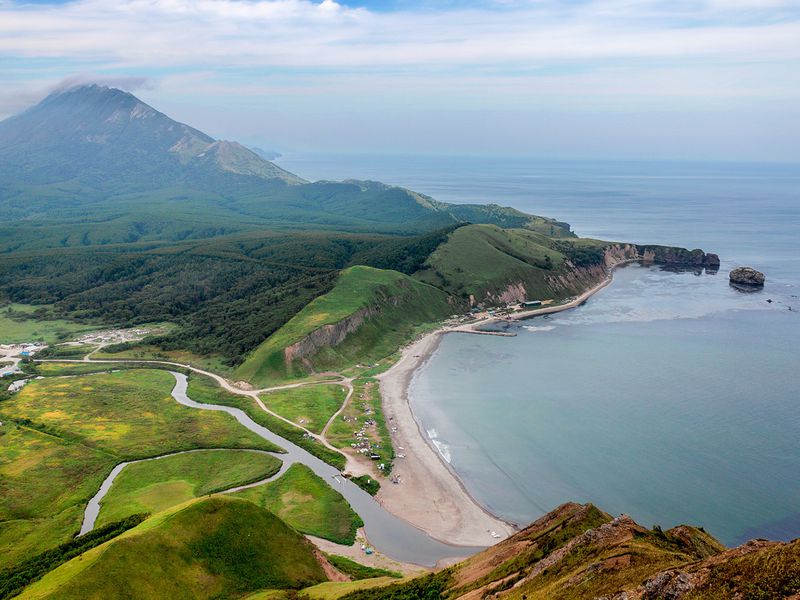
(530, 304)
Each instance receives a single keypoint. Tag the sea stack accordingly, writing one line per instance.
(747, 276)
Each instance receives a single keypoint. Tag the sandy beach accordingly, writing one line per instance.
(430, 495)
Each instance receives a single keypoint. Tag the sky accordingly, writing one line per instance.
(648, 79)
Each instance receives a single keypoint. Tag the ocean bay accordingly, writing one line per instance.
(668, 396)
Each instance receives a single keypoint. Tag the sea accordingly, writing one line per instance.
(670, 396)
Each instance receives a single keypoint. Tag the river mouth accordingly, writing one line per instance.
(667, 396)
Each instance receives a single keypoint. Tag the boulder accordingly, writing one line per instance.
(747, 276)
(711, 261)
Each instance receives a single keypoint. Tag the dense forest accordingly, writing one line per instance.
(227, 295)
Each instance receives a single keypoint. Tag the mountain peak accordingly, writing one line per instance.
(105, 131)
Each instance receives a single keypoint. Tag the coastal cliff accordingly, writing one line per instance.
(371, 312)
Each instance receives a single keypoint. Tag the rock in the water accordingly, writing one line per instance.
(711, 262)
(747, 276)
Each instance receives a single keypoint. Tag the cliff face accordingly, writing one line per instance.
(574, 279)
(327, 336)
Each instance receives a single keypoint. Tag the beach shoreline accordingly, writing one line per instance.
(431, 495)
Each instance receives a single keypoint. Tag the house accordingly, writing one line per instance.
(530, 303)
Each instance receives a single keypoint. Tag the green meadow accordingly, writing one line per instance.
(365, 405)
(310, 406)
(26, 323)
(204, 389)
(61, 436)
(307, 503)
(156, 485)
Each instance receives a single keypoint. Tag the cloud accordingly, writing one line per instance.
(259, 57)
(127, 83)
(299, 33)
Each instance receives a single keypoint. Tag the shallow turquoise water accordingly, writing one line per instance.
(668, 396)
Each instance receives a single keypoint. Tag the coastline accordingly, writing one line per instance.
(431, 495)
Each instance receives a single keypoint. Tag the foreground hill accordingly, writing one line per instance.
(214, 548)
(578, 552)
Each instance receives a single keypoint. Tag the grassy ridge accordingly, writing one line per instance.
(307, 503)
(400, 302)
(61, 437)
(482, 259)
(214, 548)
(157, 485)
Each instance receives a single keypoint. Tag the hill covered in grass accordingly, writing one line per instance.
(213, 548)
(365, 317)
(487, 264)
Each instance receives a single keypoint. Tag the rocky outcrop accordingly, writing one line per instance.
(747, 276)
(514, 293)
(327, 336)
(578, 551)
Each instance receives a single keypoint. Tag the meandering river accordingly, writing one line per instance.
(387, 533)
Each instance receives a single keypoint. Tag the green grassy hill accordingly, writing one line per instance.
(214, 548)
(306, 502)
(365, 317)
(484, 261)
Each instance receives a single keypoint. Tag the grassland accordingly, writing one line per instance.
(211, 362)
(364, 413)
(398, 304)
(156, 485)
(307, 503)
(26, 323)
(309, 406)
(55, 369)
(214, 548)
(357, 570)
(333, 590)
(62, 436)
(203, 389)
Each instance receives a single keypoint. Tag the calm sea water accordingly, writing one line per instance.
(668, 396)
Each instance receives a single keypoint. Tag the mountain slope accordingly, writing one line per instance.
(93, 165)
(93, 132)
